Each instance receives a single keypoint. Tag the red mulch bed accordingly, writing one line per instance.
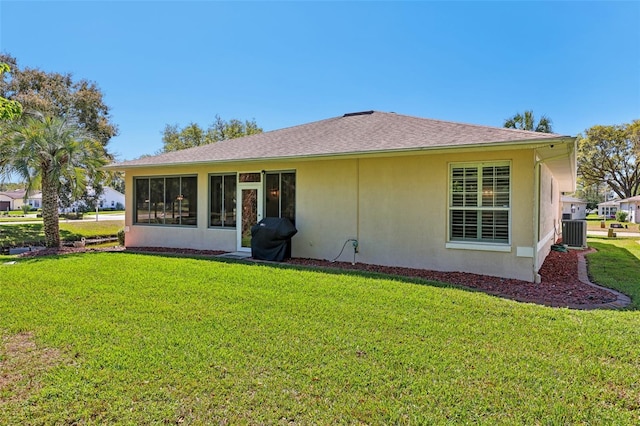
(560, 285)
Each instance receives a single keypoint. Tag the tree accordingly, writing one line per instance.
(593, 194)
(116, 181)
(222, 130)
(609, 154)
(174, 138)
(84, 200)
(54, 153)
(8, 109)
(58, 95)
(527, 121)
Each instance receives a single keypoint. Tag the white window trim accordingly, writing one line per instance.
(475, 245)
(479, 245)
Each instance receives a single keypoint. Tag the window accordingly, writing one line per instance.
(480, 203)
(281, 195)
(249, 177)
(222, 196)
(166, 200)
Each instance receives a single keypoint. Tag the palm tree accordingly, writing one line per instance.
(527, 121)
(53, 153)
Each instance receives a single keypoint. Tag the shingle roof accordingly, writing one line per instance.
(631, 199)
(19, 193)
(355, 133)
(14, 194)
(569, 199)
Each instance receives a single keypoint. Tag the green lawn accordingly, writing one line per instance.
(126, 338)
(20, 219)
(617, 265)
(594, 224)
(103, 212)
(33, 233)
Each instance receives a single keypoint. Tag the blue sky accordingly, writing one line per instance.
(289, 63)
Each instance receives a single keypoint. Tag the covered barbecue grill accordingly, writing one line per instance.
(271, 239)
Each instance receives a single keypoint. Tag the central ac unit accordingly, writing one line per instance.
(574, 233)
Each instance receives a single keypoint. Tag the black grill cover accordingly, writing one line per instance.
(271, 238)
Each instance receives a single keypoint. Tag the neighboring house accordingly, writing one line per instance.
(573, 208)
(35, 200)
(14, 200)
(632, 207)
(110, 199)
(609, 208)
(413, 192)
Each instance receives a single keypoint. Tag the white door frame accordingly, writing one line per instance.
(260, 204)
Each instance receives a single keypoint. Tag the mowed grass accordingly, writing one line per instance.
(142, 339)
(594, 224)
(19, 219)
(33, 233)
(617, 265)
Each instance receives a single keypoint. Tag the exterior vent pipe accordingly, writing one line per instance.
(351, 114)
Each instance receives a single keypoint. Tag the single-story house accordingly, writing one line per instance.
(110, 199)
(632, 207)
(573, 208)
(609, 208)
(14, 200)
(412, 192)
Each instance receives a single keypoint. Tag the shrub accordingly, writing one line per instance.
(621, 216)
(71, 215)
(121, 237)
(119, 206)
(25, 208)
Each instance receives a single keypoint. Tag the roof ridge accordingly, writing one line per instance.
(485, 126)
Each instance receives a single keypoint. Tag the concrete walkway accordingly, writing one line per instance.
(620, 233)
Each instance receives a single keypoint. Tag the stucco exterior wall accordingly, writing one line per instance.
(326, 208)
(632, 207)
(111, 198)
(396, 207)
(405, 200)
(578, 212)
(18, 203)
(550, 213)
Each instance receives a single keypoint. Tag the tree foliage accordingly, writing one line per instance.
(8, 109)
(610, 155)
(58, 95)
(175, 138)
(527, 121)
(53, 153)
(593, 194)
